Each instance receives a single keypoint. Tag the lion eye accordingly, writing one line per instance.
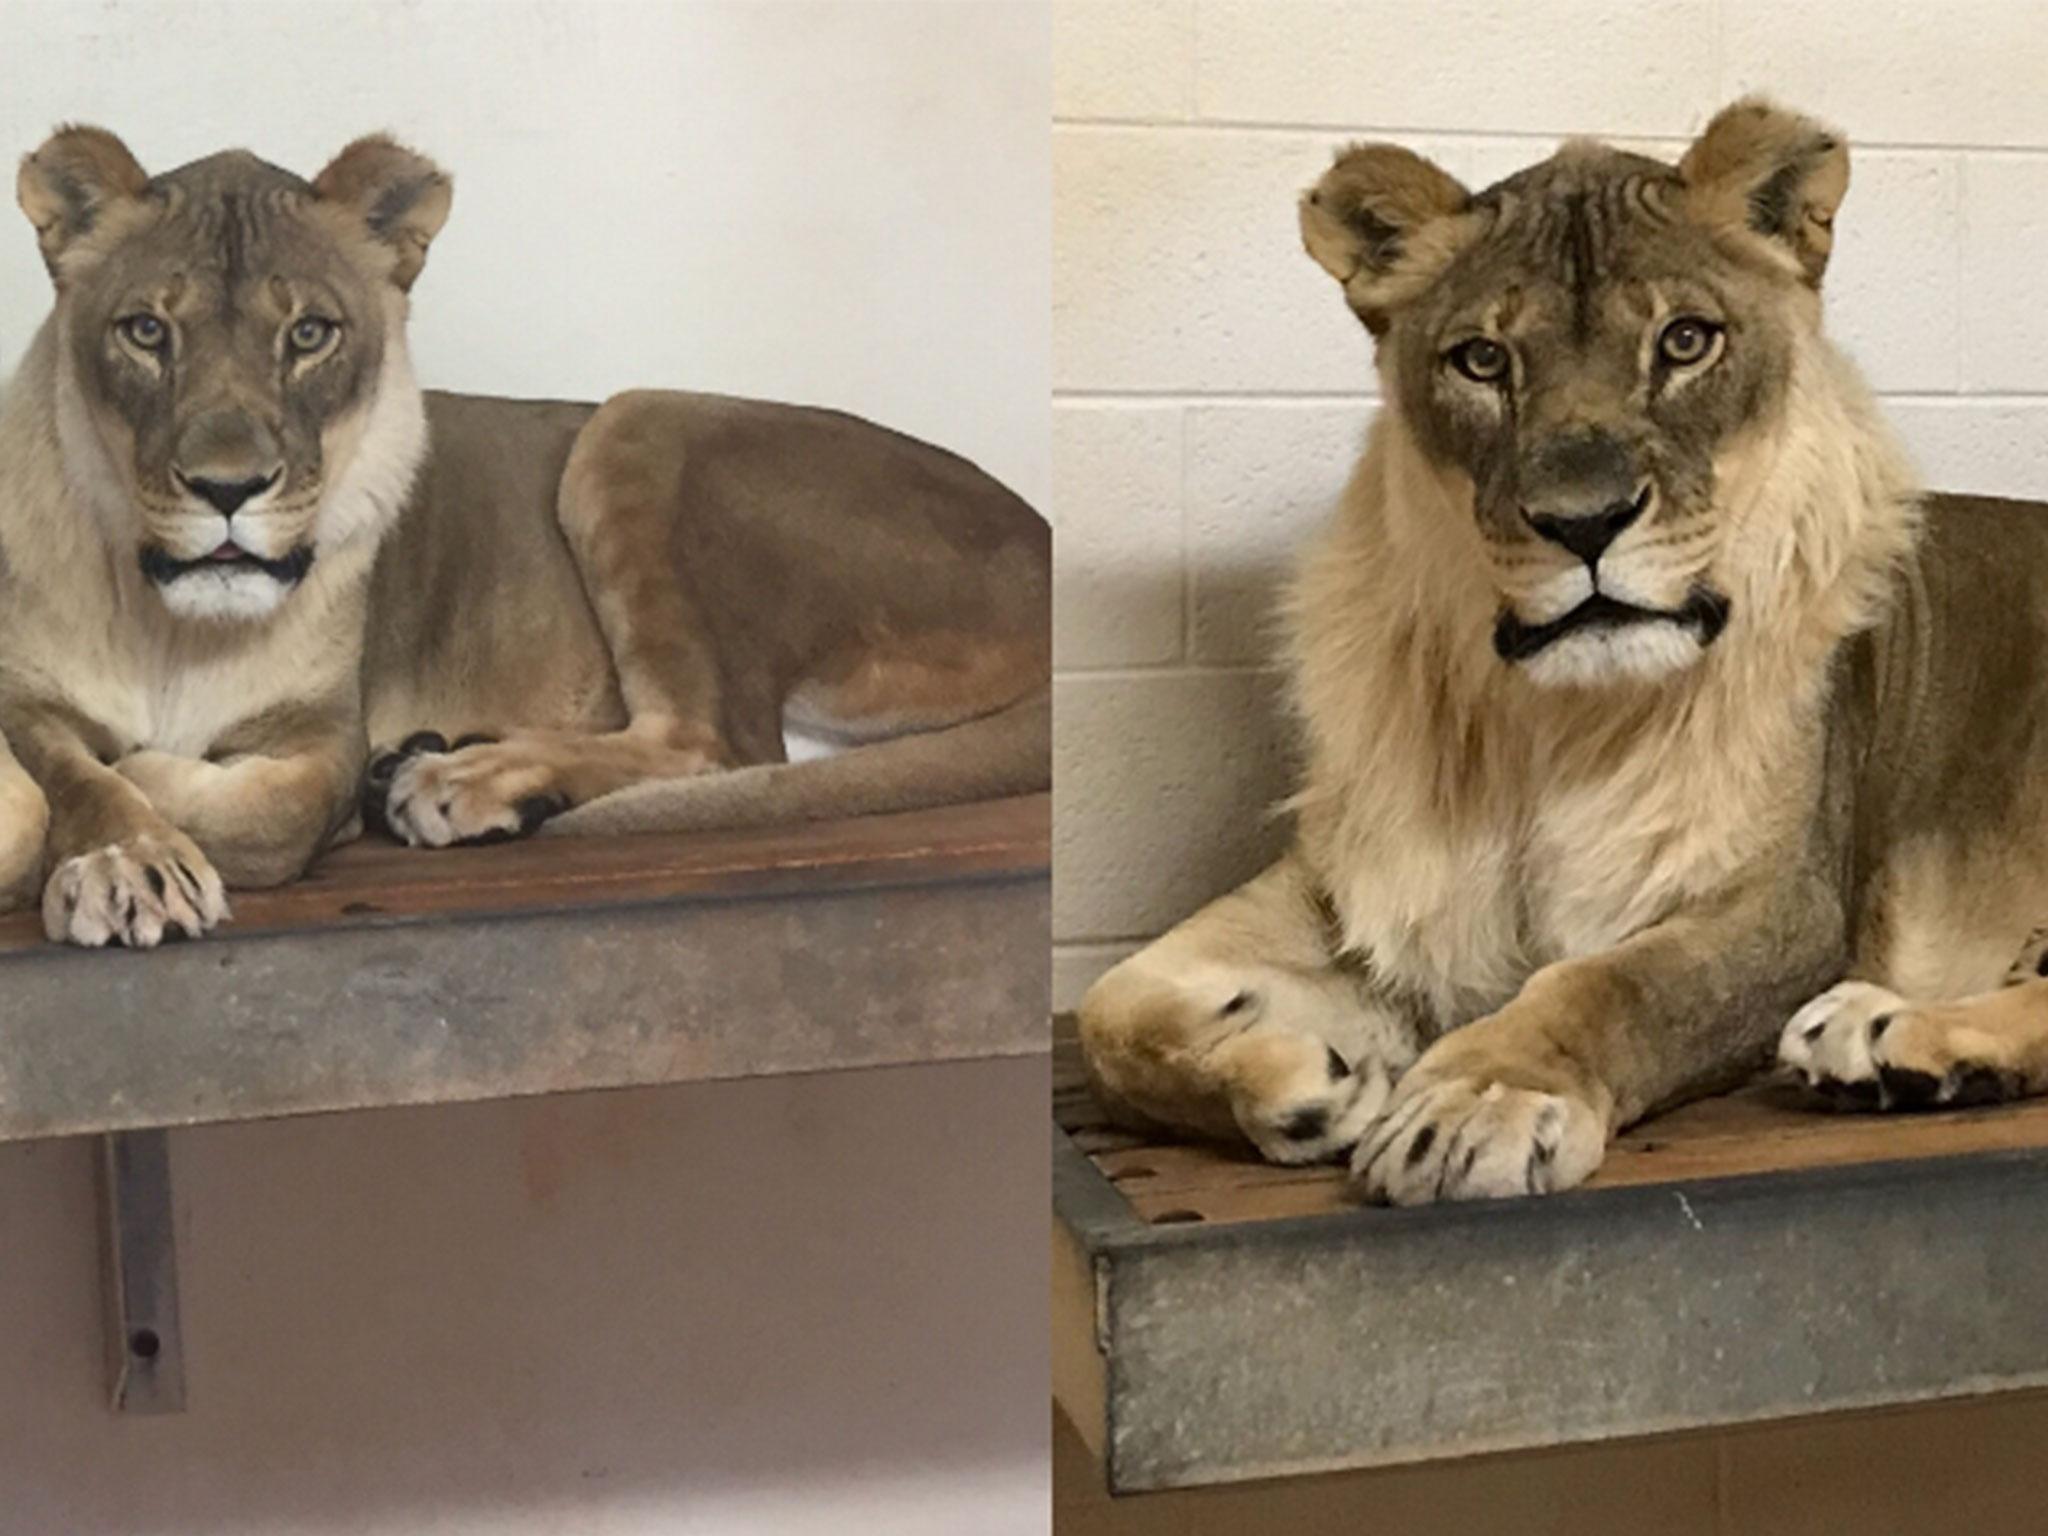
(1687, 341)
(1482, 359)
(309, 333)
(145, 331)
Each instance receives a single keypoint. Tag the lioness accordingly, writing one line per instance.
(217, 475)
(1644, 699)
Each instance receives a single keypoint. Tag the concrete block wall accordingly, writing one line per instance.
(1210, 388)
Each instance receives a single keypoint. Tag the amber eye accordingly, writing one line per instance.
(1687, 341)
(309, 333)
(146, 331)
(1482, 359)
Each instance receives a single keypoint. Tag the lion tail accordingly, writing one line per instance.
(1005, 753)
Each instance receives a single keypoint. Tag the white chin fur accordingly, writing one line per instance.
(1640, 652)
(224, 596)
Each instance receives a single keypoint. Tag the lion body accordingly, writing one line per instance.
(1644, 698)
(239, 548)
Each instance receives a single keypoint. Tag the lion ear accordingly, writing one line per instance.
(1382, 222)
(403, 197)
(65, 186)
(1773, 174)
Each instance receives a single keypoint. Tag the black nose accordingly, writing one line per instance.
(1588, 535)
(224, 496)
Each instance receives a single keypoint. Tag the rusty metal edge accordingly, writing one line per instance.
(653, 964)
(1159, 1269)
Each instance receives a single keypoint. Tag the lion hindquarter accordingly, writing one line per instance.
(638, 596)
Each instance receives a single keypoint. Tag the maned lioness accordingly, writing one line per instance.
(217, 477)
(1644, 700)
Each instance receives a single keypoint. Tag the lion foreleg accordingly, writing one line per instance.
(1525, 1100)
(260, 817)
(1241, 1024)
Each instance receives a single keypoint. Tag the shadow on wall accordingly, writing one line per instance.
(779, 1306)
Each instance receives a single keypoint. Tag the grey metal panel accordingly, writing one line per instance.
(440, 1009)
(1377, 1338)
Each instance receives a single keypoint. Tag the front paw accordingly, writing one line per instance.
(431, 795)
(1477, 1138)
(1860, 1046)
(1300, 1102)
(136, 893)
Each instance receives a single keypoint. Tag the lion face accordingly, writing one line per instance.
(233, 388)
(1584, 354)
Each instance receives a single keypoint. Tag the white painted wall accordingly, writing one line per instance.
(788, 1308)
(1210, 388)
(843, 204)
(793, 1307)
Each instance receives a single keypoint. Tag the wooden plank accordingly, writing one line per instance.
(374, 881)
(1767, 1127)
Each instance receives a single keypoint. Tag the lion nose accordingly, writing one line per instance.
(225, 496)
(1587, 535)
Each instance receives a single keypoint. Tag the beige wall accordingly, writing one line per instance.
(788, 1307)
(1965, 1470)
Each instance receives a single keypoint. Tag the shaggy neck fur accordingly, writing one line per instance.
(1471, 825)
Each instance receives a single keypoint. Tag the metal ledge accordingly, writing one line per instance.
(393, 976)
(1193, 1351)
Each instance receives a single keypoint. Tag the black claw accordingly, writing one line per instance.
(376, 806)
(422, 741)
(1986, 1085)
(535, 809)
(1907, 1089)
(1306, 1124)
(474, 739)
(1863, 1095)
(1879, 1025)
(1418, 1149)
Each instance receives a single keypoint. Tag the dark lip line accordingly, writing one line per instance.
(164, 568)
(1704, 611)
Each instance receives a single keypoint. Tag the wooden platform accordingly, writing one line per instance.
(401, 976)
(1764, 1129)
(1746, 1258)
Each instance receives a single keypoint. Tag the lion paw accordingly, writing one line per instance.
(135, 893)
(1465, 1138)
(1316, 1113)
(432, 795)
(1862, 1047)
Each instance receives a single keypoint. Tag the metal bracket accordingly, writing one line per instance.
(139, 1259)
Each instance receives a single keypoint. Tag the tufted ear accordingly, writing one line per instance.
(1383, 221)
(401, 196)
(67, 185)
(1772, 174)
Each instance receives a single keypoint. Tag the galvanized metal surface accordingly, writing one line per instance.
(442, 1008)
(1375, 1338)
(139, 1250)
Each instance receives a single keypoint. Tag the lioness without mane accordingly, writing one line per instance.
(1644, 698)
(238, 546)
